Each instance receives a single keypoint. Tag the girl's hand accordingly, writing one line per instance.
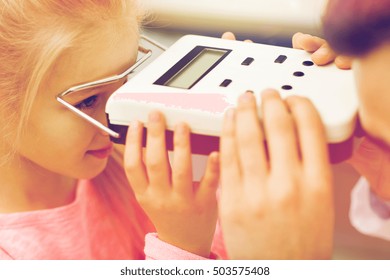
(322, 53)
(230, 36)
(183, 213)
(276, 203)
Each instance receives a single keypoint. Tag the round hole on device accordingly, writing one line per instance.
(299, 74)
(287, 87)
(308, 63)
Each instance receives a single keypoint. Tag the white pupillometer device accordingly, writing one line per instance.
(198, 78)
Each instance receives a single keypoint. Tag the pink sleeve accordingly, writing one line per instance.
(155, 249)
(218, 246)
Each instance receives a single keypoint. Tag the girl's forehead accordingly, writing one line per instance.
(92, 61)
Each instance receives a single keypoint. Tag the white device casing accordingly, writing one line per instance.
(331, 90)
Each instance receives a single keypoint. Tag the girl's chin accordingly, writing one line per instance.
(92, 170)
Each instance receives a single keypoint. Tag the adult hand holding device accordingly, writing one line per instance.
(276, 204)
(322, 53)
(371, 159)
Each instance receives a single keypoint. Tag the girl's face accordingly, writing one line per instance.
(58, 140)
(373, 83)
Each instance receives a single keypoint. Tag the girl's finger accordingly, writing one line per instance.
(250, 138)
(229, 162)
(133, 158)
(228, 36)
(322, 52)
(157, 163)
(307, 42)
(343, 62)
(311, 135)
(182, 161)
(324, 55)
(209, 183)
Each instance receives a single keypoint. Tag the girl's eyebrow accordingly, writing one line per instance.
(77, 96)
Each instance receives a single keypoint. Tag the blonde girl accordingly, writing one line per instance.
(63, 190)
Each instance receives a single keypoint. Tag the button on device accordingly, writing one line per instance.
(248, 61)
(308, 63)
(280, 59)
(225, 83)
(287, 87)
(299, 74)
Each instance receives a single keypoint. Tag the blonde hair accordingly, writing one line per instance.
(33, 34)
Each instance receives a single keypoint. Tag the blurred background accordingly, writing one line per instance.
(263, 21)
(269, 22)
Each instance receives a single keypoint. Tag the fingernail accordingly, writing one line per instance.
(215, 157)
(154, 117)
(321, 54)
(230, 114)
(134, 125)
(214, 161)
(246, 97)
(268, 92)
(322, 51)
(181, 129)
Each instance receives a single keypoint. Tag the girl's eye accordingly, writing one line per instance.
(87, 103)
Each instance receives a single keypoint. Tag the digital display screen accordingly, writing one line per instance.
(192, 67)
(187, 76)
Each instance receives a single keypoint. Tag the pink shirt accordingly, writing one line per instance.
(84, 229)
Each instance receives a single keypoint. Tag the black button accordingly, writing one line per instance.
(280, 59)
(225, 83)
(248, 61)
(299, 74)
(308, 63)
(287, 87)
